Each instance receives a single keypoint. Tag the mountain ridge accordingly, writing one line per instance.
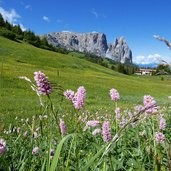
(92, 42)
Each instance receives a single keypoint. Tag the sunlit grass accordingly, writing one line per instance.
(135, 148)
(21, 59)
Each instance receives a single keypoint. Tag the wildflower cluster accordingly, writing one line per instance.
(162, 125)
(150, 104)
(35, 150)
(44, 87)
(160, 137)
(2, 146)
(77, 98)
(69, 94)
(114, 95)
(62, 127)
(106, 131)
(41, 138)
(91, 123)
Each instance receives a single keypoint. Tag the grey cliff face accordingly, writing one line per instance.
(119, 51)
(95, 43)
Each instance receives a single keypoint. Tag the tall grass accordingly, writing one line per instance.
(129, 142)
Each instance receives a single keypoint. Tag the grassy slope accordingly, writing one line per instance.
(19, 59)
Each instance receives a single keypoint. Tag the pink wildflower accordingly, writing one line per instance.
(44, 87)
(106, 131)
(35, 135)
(130, 114)
(93, 123)
(62, 127)
(25, 134)
(162, 124)
(84, 119)
(69, 94)
(169, 97)
(139, 108)
(114, 94)
(35, 150)
(79, 98)
(149, 103)
(96, 131)
(2, 146)
(123, 122)
(160, 137)
(118, 113)
(18, 130)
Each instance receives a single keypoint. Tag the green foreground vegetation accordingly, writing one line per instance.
(69, 71)
(55, 137)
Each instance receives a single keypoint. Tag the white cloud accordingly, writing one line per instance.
(94, 32)
(97, 14)
(45, 18)
(94, 12)
(66, 31)
(26, 6)
(152, 58)
(22, 27)
(11, 16)
(29, 7)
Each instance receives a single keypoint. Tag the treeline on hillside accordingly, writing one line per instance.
(109, 63)
(14, 32)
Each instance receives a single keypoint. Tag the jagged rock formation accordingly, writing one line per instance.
(119, 51)
(94, 43)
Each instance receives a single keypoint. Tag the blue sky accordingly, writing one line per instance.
(136, 20)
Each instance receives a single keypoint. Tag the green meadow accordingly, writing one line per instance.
(58, 137)
(68, 71)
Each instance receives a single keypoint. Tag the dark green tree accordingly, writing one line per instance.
(120, 68)
(31, 38)
(8, 26)
(7, 33)
(17, 29)
(28, 36)
(44, 42)
(2, 22)
(163, 67)
(36, 42)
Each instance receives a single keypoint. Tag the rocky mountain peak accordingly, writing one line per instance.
(122, 40)
(92, 42)
(115, 42)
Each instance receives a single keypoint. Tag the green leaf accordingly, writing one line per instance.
(43, 166)
(57, 152)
